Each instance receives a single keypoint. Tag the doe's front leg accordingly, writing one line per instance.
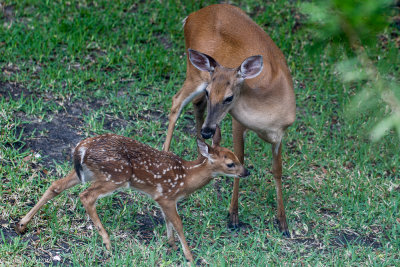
(277, 172)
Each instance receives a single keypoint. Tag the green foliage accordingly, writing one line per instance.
(341, 21)
(356, 26)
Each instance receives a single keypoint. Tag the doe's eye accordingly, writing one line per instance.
(230, 165)
(228, 99)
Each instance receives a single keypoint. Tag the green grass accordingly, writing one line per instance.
(341, 191)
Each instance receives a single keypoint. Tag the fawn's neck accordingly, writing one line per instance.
(198, 174)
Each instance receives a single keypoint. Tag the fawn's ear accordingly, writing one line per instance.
(204, 149)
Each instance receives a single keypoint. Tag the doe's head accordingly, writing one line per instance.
(220, 159)
(224, 87)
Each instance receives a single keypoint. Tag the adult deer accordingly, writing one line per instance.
(111, 162)
(234, 66)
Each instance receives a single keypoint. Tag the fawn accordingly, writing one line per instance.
(111, 162)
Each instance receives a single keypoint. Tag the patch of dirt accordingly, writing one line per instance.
(339, 239)
(342, 239)
(7, 12)
(54, 140)
(164, 40)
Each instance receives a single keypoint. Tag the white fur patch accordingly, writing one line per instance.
(86, 174)
(82, 151)
(198, 91)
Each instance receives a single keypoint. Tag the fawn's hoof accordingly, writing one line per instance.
(108, 247)
(172, 247)
(20, 228)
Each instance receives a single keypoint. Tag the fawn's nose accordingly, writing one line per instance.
(245, 173)
(207, 132)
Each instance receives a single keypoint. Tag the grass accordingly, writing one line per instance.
(113, 66)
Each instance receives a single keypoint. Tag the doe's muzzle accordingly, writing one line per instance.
(207, 132)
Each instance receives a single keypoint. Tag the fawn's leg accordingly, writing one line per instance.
(55, 189)
(170, 233)
(89, 198)
(169, 209)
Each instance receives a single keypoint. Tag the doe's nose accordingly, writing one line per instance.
(207, 132)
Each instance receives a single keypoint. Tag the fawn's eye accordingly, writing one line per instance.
(230, 165)
(228, 99)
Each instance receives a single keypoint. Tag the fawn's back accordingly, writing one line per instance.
(126, 162)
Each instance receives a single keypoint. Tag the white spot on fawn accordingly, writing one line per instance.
(159, 188)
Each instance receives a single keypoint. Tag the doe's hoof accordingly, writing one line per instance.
(233, 222)
(283, 228)
(286, 233)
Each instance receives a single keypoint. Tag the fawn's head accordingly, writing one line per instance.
(224, 87)
(221, 160)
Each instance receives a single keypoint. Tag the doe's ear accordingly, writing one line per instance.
(251, 67)
(202, 61)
